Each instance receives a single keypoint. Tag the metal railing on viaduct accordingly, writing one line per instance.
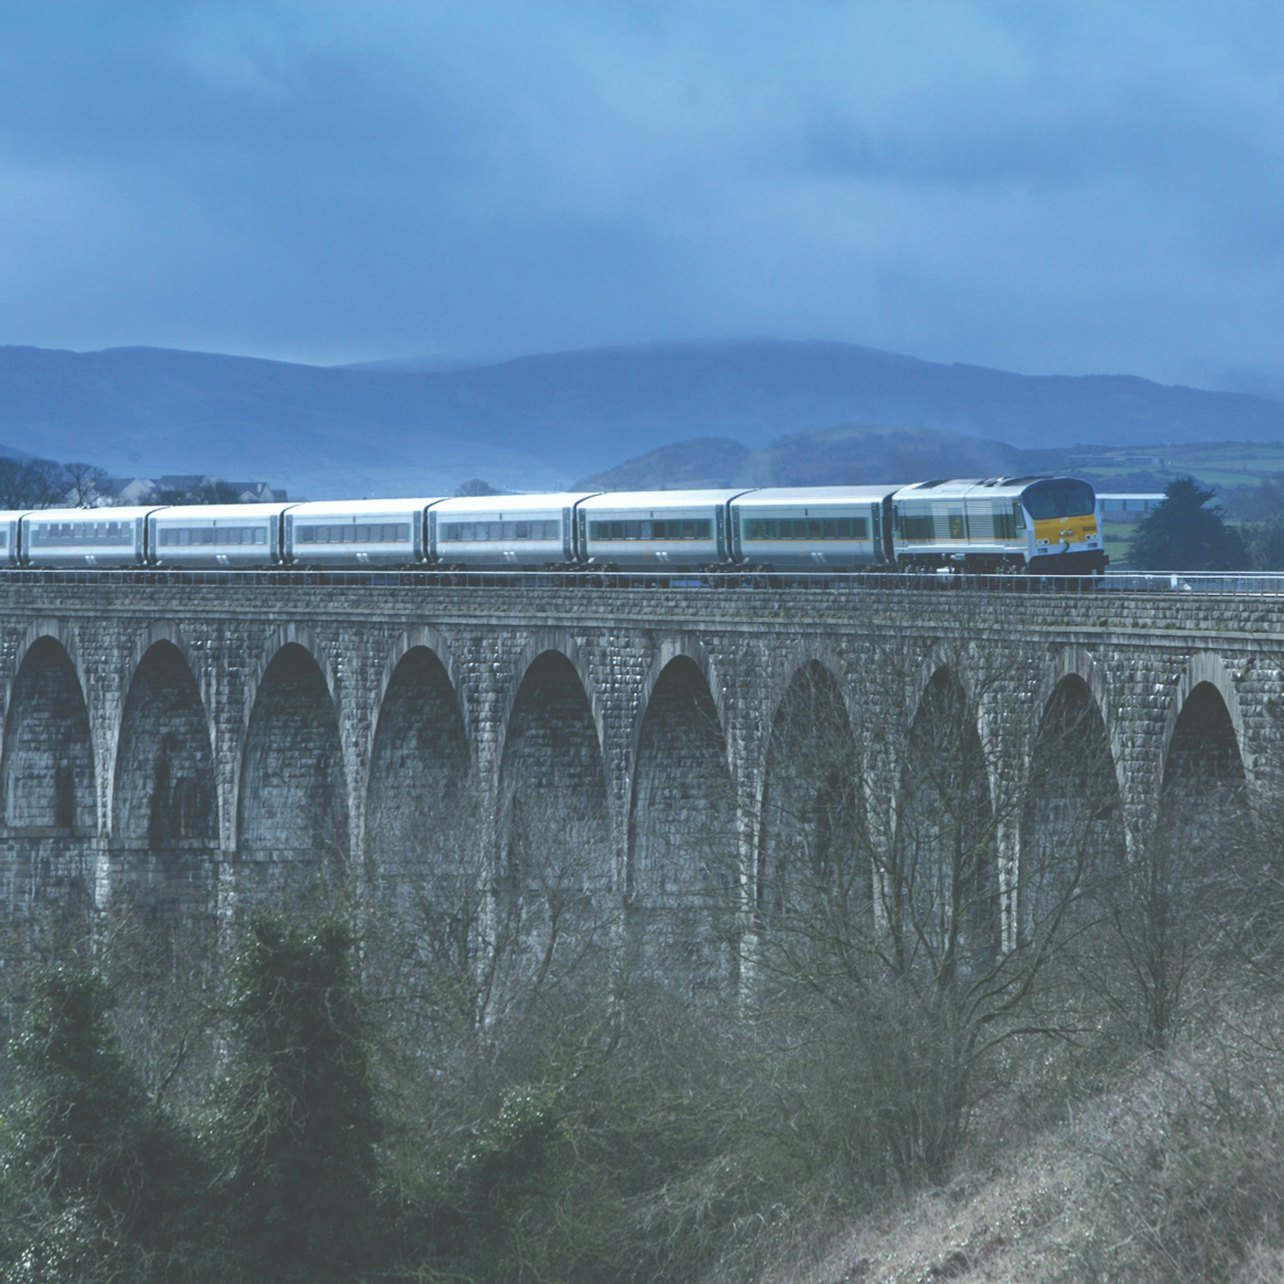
(194, 746)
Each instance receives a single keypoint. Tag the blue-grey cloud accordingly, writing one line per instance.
(1067, 186)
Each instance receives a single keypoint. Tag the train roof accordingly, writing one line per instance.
(85, 514)
(974, 487)
(467, 505)
(218, 512)
(651, 499)
(360, 507)
(818, 496)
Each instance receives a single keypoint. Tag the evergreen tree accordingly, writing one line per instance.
(1185, 534)
(98, 1183)
(300, 1118)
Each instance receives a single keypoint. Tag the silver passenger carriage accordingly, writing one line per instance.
(10, 524)
(654, 529)
(205, 536)
(497, 531)
(78, 537)
(364, 532)
(815, 528)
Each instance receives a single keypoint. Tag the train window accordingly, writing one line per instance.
(1005, 526)
(46, 534)
(672, 528)
(496, 532)
(186, 536)
(354, 533)
(806, 528)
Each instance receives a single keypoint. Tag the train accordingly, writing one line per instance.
(1037, 525)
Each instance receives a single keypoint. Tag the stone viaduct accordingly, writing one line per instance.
(197, 746)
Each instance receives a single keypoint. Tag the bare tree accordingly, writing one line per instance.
(32, 483)
(83, 484)
(920, 869)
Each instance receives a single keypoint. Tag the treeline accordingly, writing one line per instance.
(42, 483)
(45, 483)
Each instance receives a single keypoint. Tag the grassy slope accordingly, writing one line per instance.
(1173, 1171)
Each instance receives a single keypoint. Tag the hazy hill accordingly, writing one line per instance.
(540, 421)
(825, 456)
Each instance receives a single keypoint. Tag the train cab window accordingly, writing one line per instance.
(916, 526)
(1059, 497)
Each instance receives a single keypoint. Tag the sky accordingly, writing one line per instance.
(1046, 186)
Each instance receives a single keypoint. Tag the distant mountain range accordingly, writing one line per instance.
(542, 422)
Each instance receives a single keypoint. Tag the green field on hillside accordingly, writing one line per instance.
(1224, 465)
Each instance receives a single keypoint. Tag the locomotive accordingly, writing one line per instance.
(1040, 525)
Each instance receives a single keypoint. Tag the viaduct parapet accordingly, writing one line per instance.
(198, 747)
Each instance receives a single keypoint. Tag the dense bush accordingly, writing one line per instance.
(98, 1182)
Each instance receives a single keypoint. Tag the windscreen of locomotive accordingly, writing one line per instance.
(1060, 497)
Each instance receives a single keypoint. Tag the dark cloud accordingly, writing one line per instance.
(1063, 186)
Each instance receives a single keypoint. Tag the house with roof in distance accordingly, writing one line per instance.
(181, 488)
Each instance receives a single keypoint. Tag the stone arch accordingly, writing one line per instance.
(547, 642)
(434, 643)
(1081, 664)
(1204, 782)
(50, 797)
(553, 817)
(809, 844)
(292, 805)
(296, 635)
(683, 866)
(939, 882)
(164, 794)
(1073, 844)
(48, 768)
(691, 650)
(165, 821)
(1220, 721)
(418, 766)
(898, 685)
(810, 653)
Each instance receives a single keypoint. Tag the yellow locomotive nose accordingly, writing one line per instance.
(1065, 530)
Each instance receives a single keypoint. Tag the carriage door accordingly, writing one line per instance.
(568, 537)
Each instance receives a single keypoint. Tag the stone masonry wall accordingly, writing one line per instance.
(312, 719)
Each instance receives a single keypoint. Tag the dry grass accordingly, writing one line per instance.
(1176, 1173)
